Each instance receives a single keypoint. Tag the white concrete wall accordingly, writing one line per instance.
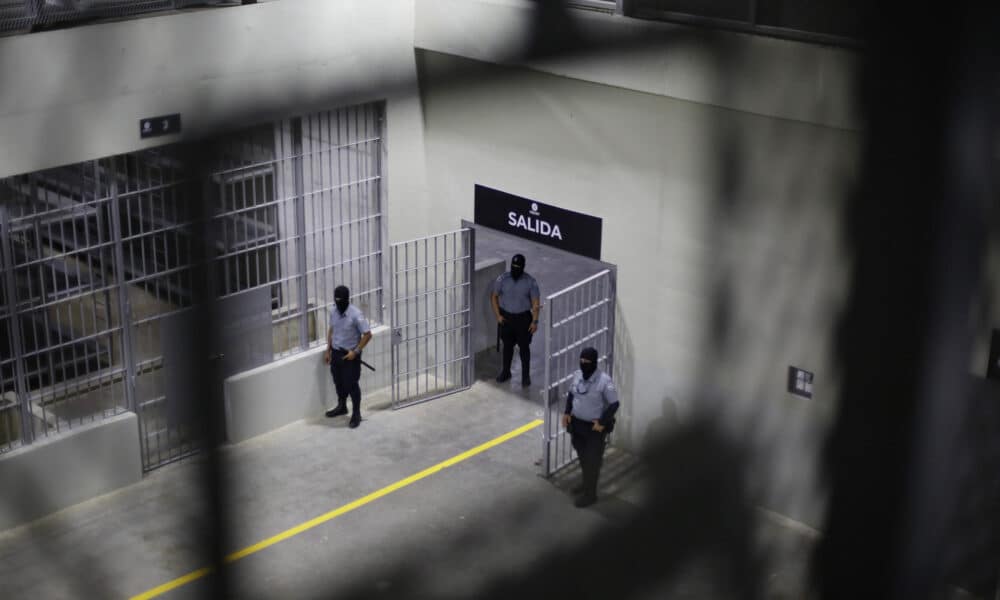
(300, 387)
(78, 93)
(62, 470)
(643, 140)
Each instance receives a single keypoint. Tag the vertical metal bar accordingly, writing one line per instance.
(144, 226)
(546, 392)
(259, 242)
(612, 317)
(357, 193)
(455, 333)
(51, 271)
(225, 196)
(437, 285)
(340, 200)
(310, 223)
(327, 224)
(362, 213)
(48, 336)
(470, 265)
(394, 324)
(449, 344)
(124, 305)
(106, 259)
(427, 310)
(452, 302)
(406, 281)
(383, 232)
(20, 378)
(300, 230)
(244, 246)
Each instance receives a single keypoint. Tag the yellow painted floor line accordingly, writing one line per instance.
(333, 514)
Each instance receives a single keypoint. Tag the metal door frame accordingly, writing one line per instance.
(468, 254)
(557, 451)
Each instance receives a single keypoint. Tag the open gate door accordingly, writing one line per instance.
(431, 316)
(578, 316)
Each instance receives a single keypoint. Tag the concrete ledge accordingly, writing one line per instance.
(299, 387)
(484, 323)
(66, 469)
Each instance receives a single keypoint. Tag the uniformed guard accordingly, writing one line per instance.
(589, 417)
(515, 302)
(346, 336)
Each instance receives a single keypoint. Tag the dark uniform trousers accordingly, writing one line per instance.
(346, 374)
(589, 446)
(514, 330)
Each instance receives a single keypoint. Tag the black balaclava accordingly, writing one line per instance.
(342, 298)
(517, 266)
(588, 368)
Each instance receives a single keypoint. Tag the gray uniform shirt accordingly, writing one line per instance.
(516, 295)
(592, 396)
(348, 327)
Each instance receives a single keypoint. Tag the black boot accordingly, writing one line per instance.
(340, 409)
(355, 413)
(503, 376)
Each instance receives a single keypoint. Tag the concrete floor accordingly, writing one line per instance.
(554, 270)
(485, 521)
(480, 521)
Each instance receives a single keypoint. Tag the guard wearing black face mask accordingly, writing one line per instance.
(589, 417)
(515, 304)
(347, 334)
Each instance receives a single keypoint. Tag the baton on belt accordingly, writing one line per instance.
(357, 359)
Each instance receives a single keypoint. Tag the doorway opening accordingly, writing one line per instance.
(554, 269)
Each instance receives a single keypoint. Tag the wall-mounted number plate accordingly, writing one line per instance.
(800, 382)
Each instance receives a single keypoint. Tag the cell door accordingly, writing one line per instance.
(431, 316)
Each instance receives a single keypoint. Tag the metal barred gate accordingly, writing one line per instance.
(578, 316)
(97, 283)
(431, 316)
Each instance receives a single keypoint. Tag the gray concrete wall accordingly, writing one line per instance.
(811, 83)
(300, 387)
(62, 470)
(484, 322)
(650, 167)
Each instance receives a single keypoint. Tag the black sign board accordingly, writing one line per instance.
(538, 222)
(993, 368)
(155, 126)
(800, 382)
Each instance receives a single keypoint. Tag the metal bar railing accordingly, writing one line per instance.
(431, 279)
(582, 313)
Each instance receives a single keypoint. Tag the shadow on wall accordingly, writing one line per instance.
(630, 434)
(624, 376)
